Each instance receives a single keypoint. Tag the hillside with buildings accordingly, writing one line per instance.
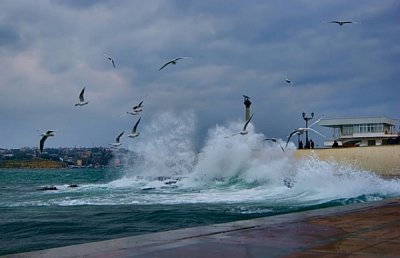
(62, 157)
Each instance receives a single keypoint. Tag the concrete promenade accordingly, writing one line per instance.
(383, 160)
(359, 230)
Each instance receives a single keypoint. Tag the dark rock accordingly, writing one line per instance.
(48, 188)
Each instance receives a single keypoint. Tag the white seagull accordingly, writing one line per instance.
(117, 142)
(275, 140)
(301, 130)
(173, 61)
(289, 81)
(136, 109)
(134, 133)
(82, 101)
(111, 60)
(341, 23)
(49, 133)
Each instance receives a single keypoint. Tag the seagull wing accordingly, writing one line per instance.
(290, 136)
(138, 106)
(50, 131)
(247, 122)
(81, 98)
(316, 121)
(119, 136)
(113, 63)
(315, 131)
(164, 65)
(42, 143)
(135, 127)
(281, 146)
(270, 139)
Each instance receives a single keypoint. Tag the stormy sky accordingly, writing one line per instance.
(51, 49)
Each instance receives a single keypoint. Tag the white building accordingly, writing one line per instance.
(366, 131)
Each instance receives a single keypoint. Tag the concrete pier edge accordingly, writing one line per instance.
(149, 245)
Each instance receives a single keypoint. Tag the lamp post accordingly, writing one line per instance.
(307, 119)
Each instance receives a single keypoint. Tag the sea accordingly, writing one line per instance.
(171, 185)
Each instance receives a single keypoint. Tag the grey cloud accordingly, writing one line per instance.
(54, 48)
(8, 36)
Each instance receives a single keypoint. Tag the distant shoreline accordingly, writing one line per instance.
(33, 164)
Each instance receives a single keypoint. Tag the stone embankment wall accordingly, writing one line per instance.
(382, 160)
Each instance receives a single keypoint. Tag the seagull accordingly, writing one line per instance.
(289, 81)
(82, 101)
(173, 61)
(244, 132)
(139, 107)
(111, 60)
(117, 142)
(341, 23)
(301, 130)
(134, 133)
(275, 140)
(136, 109)
(49, 133)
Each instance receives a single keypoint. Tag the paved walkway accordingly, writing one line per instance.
(359, 230)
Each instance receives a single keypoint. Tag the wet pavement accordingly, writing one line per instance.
(358, 230)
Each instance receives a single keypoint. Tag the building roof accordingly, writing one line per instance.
(336, 122)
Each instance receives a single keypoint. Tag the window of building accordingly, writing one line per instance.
(347, 130)
(368, 128)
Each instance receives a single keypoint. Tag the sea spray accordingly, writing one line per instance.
(233, 168)
(165, 146)
(333, 180)
(227, 155)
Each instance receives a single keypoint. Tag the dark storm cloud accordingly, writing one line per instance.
(53, 48)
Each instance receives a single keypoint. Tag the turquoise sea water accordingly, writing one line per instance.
(170, 186)
(106, 204)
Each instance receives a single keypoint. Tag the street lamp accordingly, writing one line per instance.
(307, 119)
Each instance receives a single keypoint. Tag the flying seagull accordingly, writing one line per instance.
(139, 107)
(136, 109)
(275, 140)
(301, 130)
(173, 61)
(82, 101)
(117, 142)
(111, 60)
(289, 81)
(341, 23)
(134, 133)
(49, 133)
